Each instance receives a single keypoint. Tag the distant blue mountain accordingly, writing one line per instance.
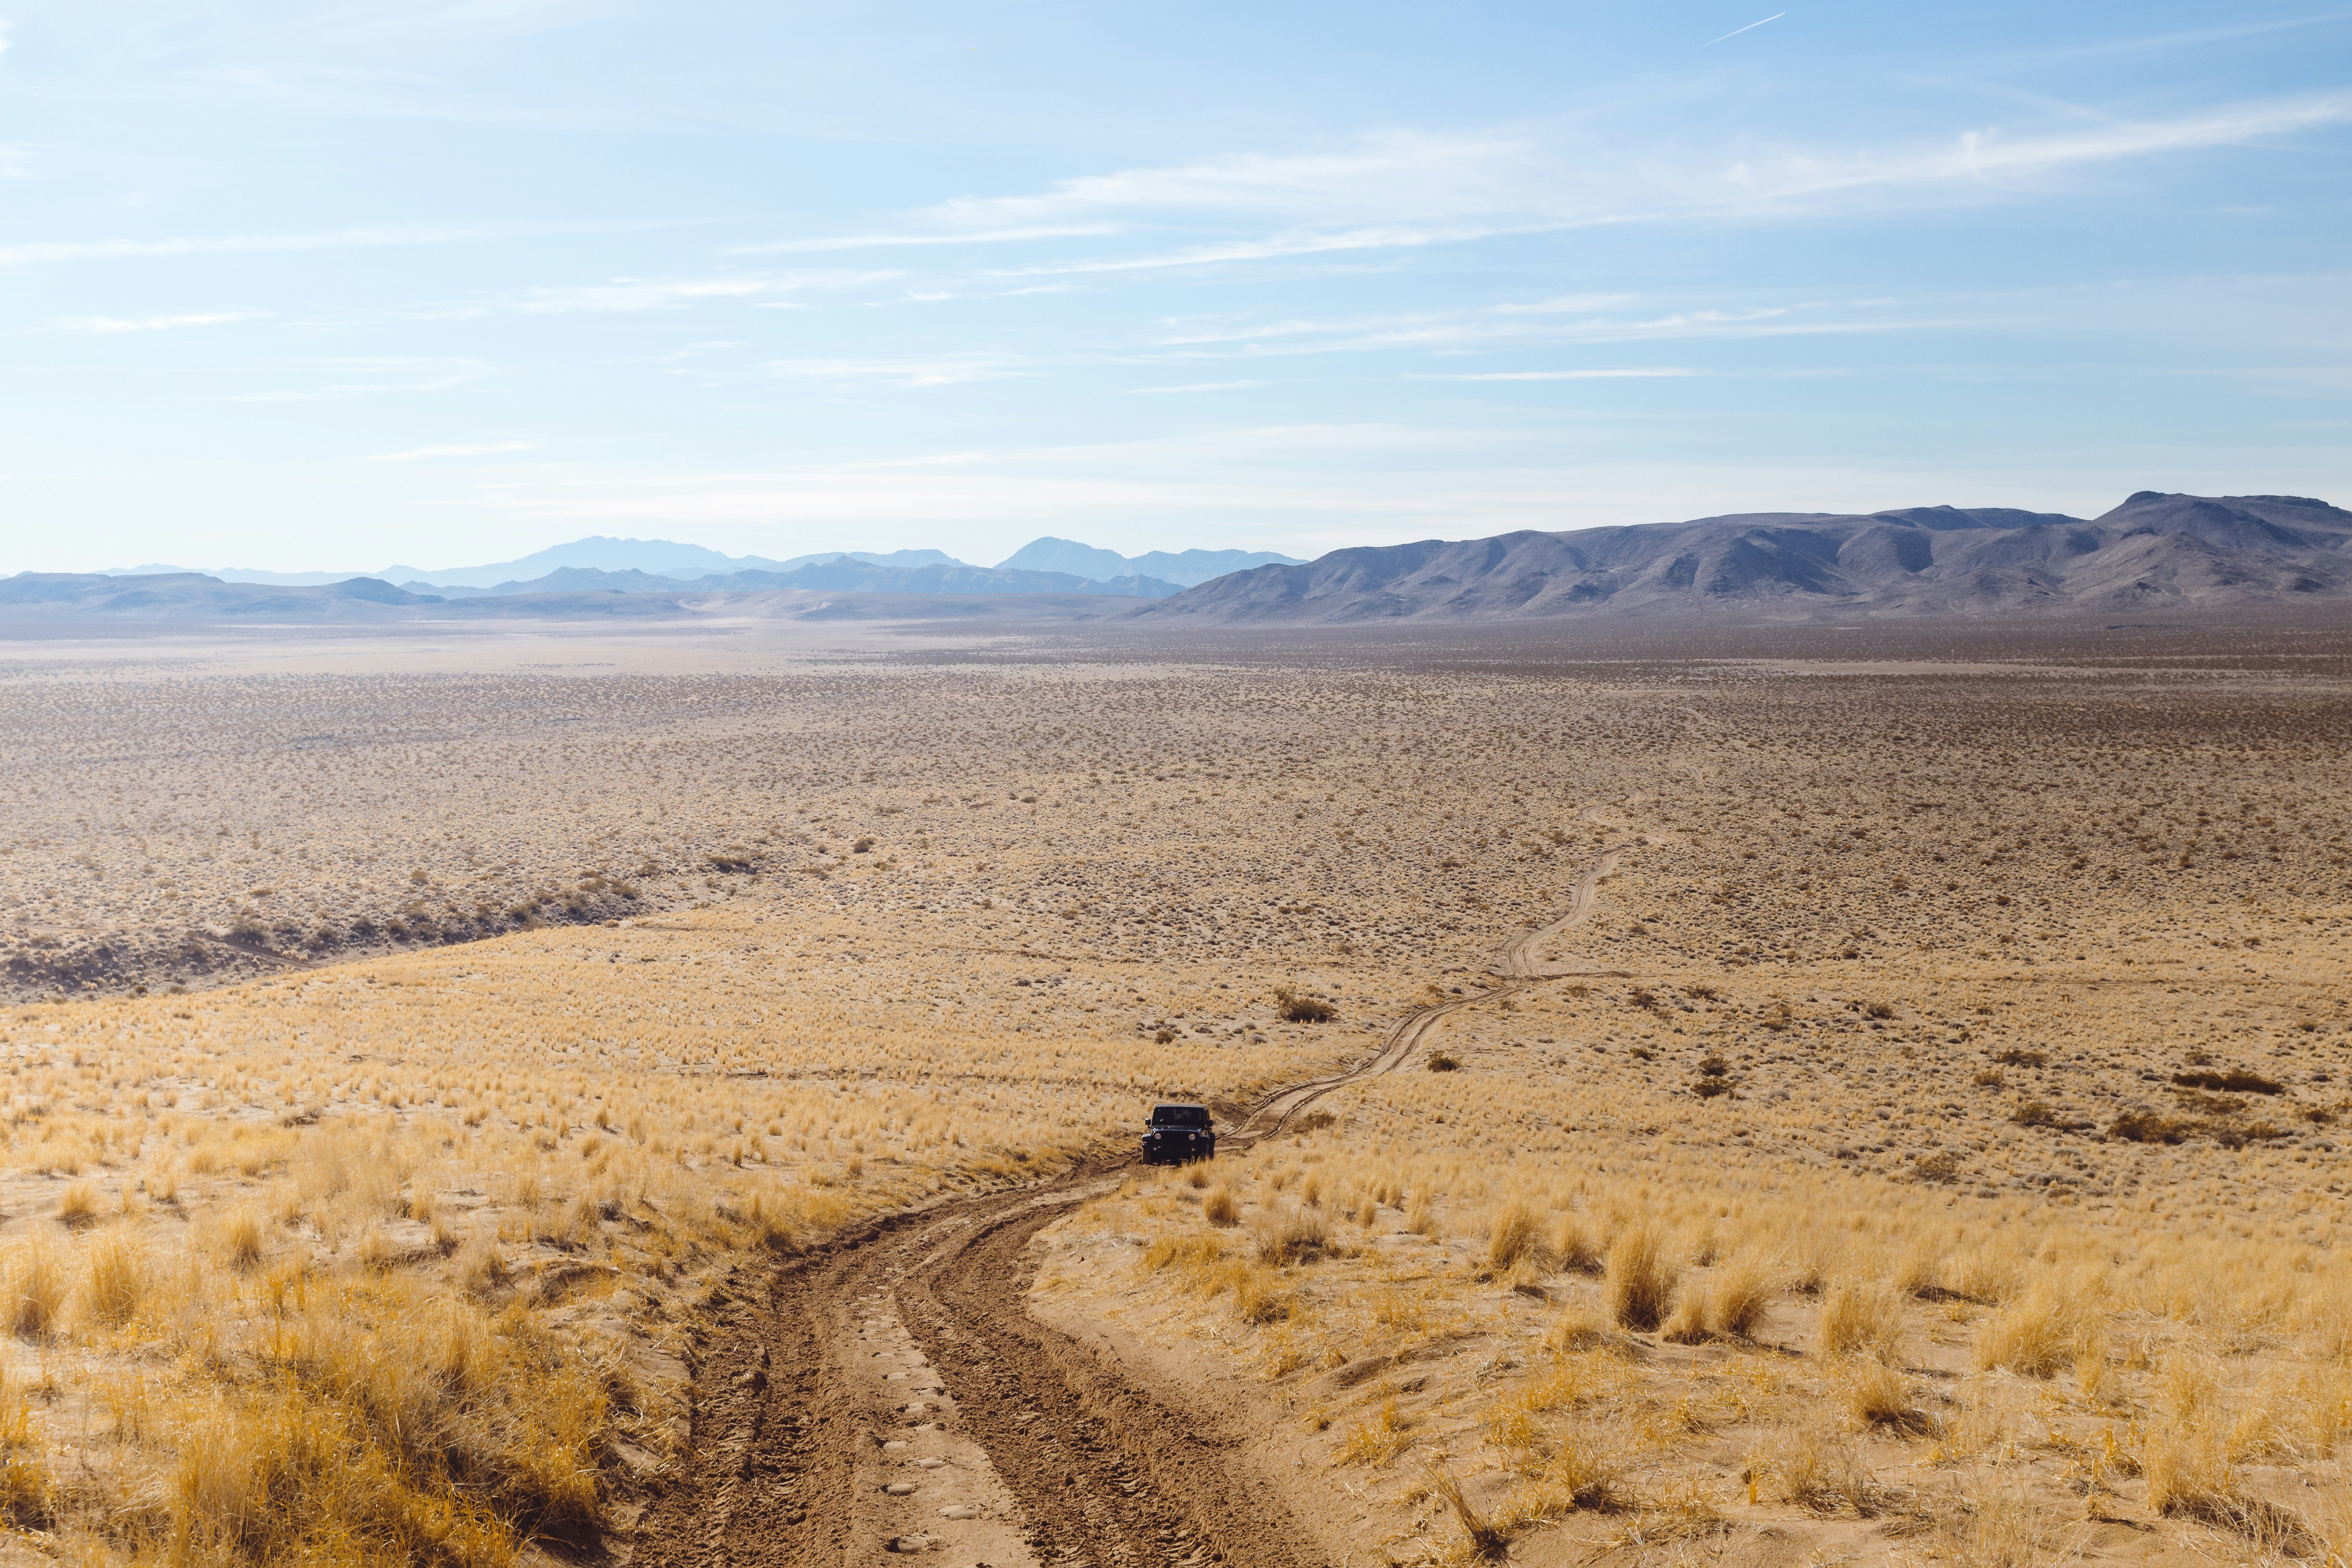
(1183, 568)
(654, 565)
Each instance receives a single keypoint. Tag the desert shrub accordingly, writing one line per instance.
(2236, 1081)
(1441, 1062)
(2016, 1057)
(1298, 1008)
(1638, 1279)
(1220, 1207)
(1879, 1010)
(2149, 1126)
(1941, 1168)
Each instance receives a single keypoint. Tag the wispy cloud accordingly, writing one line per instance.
(1641, 373)
(1200, 386)
(113, 324)
(473, 450)
(375, 377)
(1292, 242)
(2187, 37)
(1512, 325)
(1405, 190)
(946, 371)
(879, 241)
(34, 253)
(1392, 175)
(629, 294)
(1978, 158)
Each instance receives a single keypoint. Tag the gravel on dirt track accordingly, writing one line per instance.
(1098, 1471)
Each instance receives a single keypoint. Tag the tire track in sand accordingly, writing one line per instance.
(889, 1394)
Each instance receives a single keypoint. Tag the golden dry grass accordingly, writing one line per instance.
(1883, 1099)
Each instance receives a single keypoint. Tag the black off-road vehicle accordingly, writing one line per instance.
(1178, 1133)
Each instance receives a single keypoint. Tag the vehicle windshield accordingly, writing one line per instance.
(1179, 1116)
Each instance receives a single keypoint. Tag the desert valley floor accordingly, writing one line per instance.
(1858, 1094)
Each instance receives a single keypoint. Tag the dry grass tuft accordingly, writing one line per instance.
(78, 1205)
(1483, 1539)
(1878, 1395)
(1288, 1236)
(238, 1239)
(1516, 1234)
(1638, 1279)
(1726, 1305)
(114, 1278)
(1861, 1317)
(2035, 1334)
(33, 1285)
(1818, 1474)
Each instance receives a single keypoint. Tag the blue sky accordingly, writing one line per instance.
(315, 284)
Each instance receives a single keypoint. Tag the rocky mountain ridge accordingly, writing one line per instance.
(2155, 551)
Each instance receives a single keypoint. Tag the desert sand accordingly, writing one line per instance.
(1864, 1093)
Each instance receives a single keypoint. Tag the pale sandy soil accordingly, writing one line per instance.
(893, 918)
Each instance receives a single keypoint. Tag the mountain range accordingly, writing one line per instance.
(2154, 551)
(599, 564)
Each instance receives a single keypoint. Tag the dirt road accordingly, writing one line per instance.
(889, 1394)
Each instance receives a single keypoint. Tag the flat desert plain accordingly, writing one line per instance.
(1688, 1094)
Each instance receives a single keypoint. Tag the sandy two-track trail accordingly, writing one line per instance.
(890, 1394)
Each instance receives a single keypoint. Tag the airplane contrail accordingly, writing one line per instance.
(1749, 28)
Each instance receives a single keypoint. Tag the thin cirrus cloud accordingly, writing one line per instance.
(879, 241)
(634, 294)
(468, 450)
(362, 237)
(1982, 159)
(1391, 174)
(1400, 191)
(111, 325)
(1510, 325)
(374, 378)
(896, 372)
(1631, 373)
(1200, 386)
(35, 253)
